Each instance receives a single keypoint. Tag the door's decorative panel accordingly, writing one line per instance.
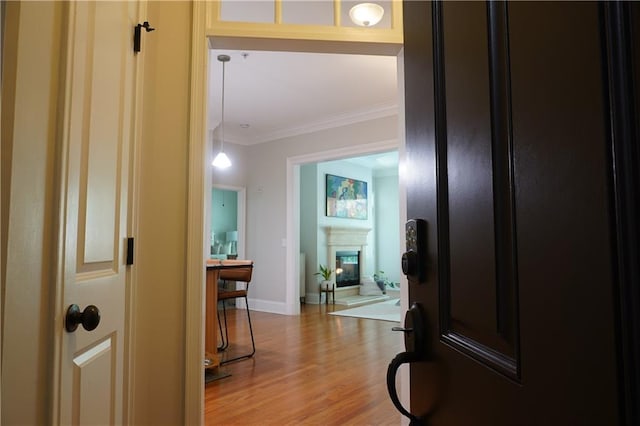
(475, 188)
(104, 84)
(94, 393)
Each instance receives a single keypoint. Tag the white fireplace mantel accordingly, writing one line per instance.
(341, 236)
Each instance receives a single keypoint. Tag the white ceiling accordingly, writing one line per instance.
(279, 94)
(381, 162)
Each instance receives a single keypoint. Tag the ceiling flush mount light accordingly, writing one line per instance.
(366, 14)
(222, 161)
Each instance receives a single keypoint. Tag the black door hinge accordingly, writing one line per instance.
(137, 35)
(129, 251)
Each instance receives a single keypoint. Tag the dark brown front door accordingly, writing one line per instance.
(509, 160)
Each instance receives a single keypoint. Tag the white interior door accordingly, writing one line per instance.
(97, 132)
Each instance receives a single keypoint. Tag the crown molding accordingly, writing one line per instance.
(353, 117)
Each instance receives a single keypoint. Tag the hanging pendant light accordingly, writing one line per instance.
(222, 161)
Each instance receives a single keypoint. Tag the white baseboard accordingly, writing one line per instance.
(264, 306)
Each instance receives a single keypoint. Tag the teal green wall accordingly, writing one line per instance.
(387, 226)
(224, 212)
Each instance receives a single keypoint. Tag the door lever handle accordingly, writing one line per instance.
(394, 365)
(416, 342)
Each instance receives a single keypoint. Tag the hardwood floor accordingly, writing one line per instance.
(312, 369)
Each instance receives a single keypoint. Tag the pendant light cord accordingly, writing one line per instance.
(222, 122)
(221, 160)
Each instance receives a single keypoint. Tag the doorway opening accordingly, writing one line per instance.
(227, 221)
(258, 189)
(376, 239)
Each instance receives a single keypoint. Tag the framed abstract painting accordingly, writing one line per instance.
(346, 198)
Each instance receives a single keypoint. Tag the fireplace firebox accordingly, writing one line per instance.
(347, 268)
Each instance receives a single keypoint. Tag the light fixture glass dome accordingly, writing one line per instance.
(221, 161)
(366, 14)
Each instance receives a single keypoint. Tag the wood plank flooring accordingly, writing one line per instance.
(312, 369)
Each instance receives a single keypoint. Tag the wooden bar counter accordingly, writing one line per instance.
(214, 266)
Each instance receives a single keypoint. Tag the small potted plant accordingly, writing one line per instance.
(325, 272)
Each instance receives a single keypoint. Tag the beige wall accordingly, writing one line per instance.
(28, 150)
(162, 222)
